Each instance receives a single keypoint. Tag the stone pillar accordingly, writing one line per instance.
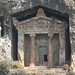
(62, 48)
(50, 62)
(0, 31)
(32, 50)
(21, 47)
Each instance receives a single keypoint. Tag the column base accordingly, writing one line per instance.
(32, 65)
(50, 66)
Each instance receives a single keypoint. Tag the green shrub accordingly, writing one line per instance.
(4, 67)
(18, 72)
(16, 64)
(48, 73)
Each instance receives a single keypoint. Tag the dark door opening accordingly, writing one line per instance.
(45, 58)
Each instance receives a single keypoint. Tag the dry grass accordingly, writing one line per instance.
(4, 67)
(65, 67)
(17, 64)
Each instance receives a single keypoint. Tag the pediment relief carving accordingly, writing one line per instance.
(40, 12)
(40, 21)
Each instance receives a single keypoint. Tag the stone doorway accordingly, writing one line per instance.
(43, 53)
(41, 49)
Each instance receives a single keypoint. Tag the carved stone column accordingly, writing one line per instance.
(32, 50)
(50, 62)
(21, 47)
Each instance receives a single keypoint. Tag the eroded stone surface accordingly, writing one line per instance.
(40, 25)
(64, 6)
(5, 48)
(21, 56)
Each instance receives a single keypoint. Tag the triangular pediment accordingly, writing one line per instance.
(40, 18)
(25, 12)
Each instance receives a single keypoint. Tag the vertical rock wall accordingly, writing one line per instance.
(5, 48)
(64, 6)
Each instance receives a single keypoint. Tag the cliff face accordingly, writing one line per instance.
(64, 6)
(9, 7)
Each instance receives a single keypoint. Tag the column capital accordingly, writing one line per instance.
(50, 35)
(32, 34)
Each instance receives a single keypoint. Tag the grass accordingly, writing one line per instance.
(48, 73)
(4, 67)
(16, 64)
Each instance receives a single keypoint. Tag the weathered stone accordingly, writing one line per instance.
(40, 25)
(21, 56)
(50, 61)
(5, 49)
(8, 7)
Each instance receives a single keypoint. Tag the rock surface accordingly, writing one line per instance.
(5, 48)
(65, 6)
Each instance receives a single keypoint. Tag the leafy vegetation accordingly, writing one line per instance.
(4, 67)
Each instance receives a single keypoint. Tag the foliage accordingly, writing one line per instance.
(16, 64)
(4, 67)
(48, 73)
(18, 72)
(7, 65)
